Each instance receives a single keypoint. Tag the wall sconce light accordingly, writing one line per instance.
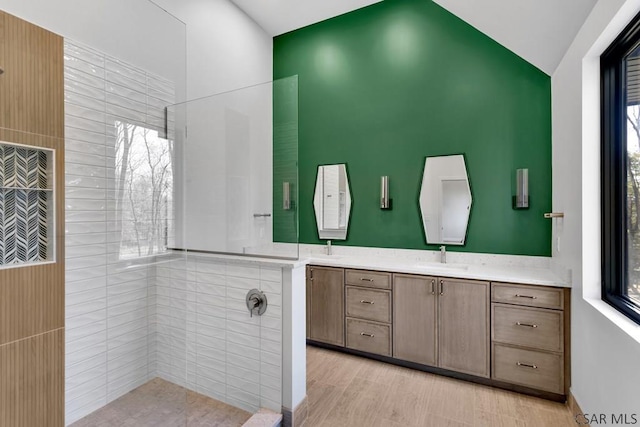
(521, 199)
(286, 196)
(385, 201)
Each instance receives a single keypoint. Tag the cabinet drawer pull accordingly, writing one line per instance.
(364, 334)
(365, 279)
(433, 287)
(526, 296)
(529, 325)
(441, 287)
(367, 302)
(526, 365)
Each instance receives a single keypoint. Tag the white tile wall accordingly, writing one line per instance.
(230, 356)
(108, 301)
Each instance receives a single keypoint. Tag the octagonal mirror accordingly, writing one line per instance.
(332, 202)
(445, 200)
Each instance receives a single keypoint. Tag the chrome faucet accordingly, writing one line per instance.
(443, 254)
(328, 247)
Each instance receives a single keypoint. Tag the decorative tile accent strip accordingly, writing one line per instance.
(24, 222)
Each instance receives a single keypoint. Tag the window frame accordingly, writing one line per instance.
(614, 172)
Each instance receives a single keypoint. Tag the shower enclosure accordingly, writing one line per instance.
(173, 213)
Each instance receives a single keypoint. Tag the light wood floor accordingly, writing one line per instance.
(160, 403)
(345, 390)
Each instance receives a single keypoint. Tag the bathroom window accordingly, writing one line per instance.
(144, 165)
(620, 74)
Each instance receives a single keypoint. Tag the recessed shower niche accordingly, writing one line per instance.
(26, 204)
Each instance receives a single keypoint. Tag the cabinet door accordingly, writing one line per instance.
(463, 326)
(414, 318)
(325, 303)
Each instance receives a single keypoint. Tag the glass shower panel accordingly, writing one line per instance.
(126, 302)
(240, 171)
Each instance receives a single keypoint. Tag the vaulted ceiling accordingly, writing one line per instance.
(539, 31)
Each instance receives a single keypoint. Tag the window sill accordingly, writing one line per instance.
(620, 320)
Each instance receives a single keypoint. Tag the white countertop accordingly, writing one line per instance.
(495, 273)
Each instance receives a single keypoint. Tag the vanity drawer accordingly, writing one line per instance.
(369, 304)
(528, 327)
(535, 369)
(370, 279)
(369, 336)
(533, 296)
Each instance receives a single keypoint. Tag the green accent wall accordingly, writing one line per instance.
(385, 86)
(285, 157)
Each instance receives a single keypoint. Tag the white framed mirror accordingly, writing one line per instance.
(332, 202)
(445, 200)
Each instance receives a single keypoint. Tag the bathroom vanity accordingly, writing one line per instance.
(467, 322)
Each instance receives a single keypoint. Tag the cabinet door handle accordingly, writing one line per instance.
(367, 302)
(526, 365)
(364, 279)
(433, 286)
(528, 325)
(441, 287)
(364, 334)
(526, 296)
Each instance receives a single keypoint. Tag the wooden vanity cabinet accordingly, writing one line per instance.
(512, 335)
(463, 326)
(442, 322)
(368, 311)
(325, 305)
(415, 319)
(530, 328)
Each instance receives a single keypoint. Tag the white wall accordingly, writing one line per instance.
(605, 345)
(226, 49)
(136, 31)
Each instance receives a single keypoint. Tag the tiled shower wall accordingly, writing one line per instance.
(230, 356)
(107, 303)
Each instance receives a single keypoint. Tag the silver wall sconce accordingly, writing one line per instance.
(385, 201)
(521, 199)
(286, 196)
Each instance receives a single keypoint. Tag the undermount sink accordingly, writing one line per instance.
(441, 266)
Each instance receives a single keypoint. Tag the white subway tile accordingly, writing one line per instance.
(124, 70)
(85, 365)
(244, 271)
(271, 274)
(243, 399)
(97, 115)
(271, 358)
(85, 53)
(85, 308)
(75, 334)
(85, 404)
(85, 273)
(79, 87)
(84, 378)
(127, 331)
(131, 316)
(271, 288)
(86, 319)
(79, 122)
(75, 63)
(75, 355)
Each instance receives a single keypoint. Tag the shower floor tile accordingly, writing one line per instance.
(160, 403)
